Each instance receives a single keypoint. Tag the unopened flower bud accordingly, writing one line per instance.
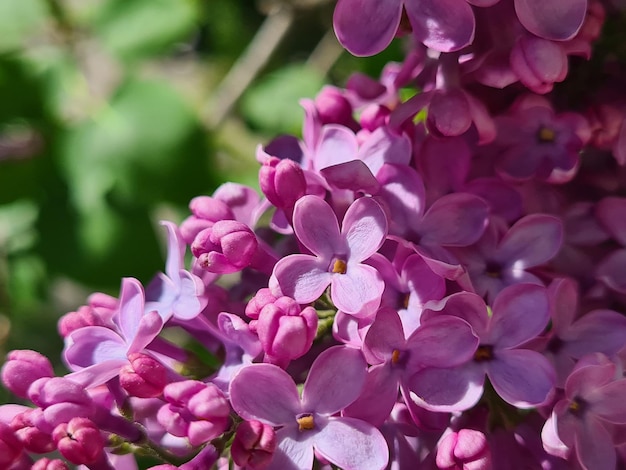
(464, 450)
(79, 441)
(282, 182)
(143, 377)
(195, 410)
(334, 108)
(49, 464)
(254, 445)
(10, 446)
(226, 247)
(374, 116)
(22, 368)
(286, 332)
(261, 299)
(61, 400)
(538, 63)
(34, 439)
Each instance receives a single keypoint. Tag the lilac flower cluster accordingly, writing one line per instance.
(435, 282)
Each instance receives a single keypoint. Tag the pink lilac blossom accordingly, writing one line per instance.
(461, 239)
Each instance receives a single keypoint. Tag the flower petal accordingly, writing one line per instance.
(266, 393)
(520, 313)
(447, 390)
(532, 241)
(557, 20)
(334, 381)
(302, 277)
(352, 444)
(454, 220)
(357, 291)
(366, 27)
(521, 377)
(594, 446)
(443, 25)
(365, 228)
(316, 226)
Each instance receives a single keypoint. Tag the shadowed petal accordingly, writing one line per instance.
(520, 312)
(532, 241)
(447, 390)
(266, 393)
(521, 377)
(353, 175)
(366, 27)
(443, 25)
(384, 336)
(302, 277)
(612, 271)
(443, 341)
(378, 396)
(292, 452)
(557, 19)
(454, 220)
(594, 446)
(352, 444)
(335, 380)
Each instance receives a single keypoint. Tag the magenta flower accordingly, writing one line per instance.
(503, 259)
(338, 256)
(584, 420)
(97, 354)
(266, 393)
(521, 377)
(177, 293)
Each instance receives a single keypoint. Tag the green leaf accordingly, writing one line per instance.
(19, 19)
(272, 104)
(133, 29)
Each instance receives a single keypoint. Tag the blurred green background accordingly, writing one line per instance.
(115, 113)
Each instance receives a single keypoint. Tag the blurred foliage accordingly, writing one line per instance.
(103, 132)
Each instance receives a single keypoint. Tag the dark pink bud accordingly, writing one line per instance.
(22, 368)
(10, 446)
(374, 116)
(592, 26)
(333, 107)
(49, 464)
(79, 441)
(538, 63)
(34, 439)
(195, 410)
(211, 209)
(464, 450)
(226, 247)
(60, 400)
(261, 299)
(282, 182)
(84, 316)
(143, 377)
(286, 332)
(254, 445)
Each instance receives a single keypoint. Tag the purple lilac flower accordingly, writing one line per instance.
(582, 424)
(573, 336)
(177, 293)
(521, 377)
(96, 354)
(337, 258)
(395, 356)
(266, 393)
(502, 259)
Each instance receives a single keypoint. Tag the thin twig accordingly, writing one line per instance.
(249, 64)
